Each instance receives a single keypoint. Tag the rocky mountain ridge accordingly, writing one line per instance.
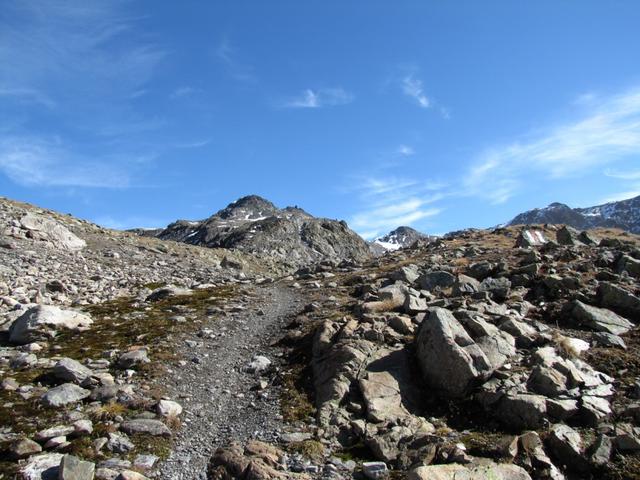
(624, 214)
(401, 237)
(289, 236)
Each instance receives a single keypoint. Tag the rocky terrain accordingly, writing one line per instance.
(288, 238)
(624, 214)
(510, 353)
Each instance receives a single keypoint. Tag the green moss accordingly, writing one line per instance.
(296, 400)
(118, 325)
(311, 449)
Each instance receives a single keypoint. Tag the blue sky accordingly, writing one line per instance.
(440, 115)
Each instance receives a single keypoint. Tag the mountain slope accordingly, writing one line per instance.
(624, 214)
(289, 235)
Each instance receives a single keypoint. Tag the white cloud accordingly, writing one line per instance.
(392, 202)
(412, 87)
(608, 132)
(324, 97)
(33, 163)
(406, 150)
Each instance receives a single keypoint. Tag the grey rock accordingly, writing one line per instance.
(566, 445)
(600, 451)
(604, 339)
(465, 285)
(72, 468)
(454, 471)
(437, 278)
(568, 236)
(375, 470)
(148, 426)
(498, 287)
(449, 358)
(64, 394)
(41, 467)
(523, 411)
(70, 370)
(119, 443)
(618, 299)
(23, 448)
(133, 359)
(53, 232)
(406, 273)
(547, 381)
(167, 291)
(600, 319)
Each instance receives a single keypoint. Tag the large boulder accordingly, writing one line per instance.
(454, 471)
(600, 319)
(43, 322)
(449, 358)
(53, 232)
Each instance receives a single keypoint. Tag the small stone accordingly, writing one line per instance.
(375, 470)
(49, 433)
(145, 462)
(148, 426)
(130, 475)
(133, 359)
(168, 408)
(69, 370)
(119, 443)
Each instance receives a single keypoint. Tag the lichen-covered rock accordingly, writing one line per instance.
(43, 322)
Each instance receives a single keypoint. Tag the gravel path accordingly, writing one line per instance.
(214, 388)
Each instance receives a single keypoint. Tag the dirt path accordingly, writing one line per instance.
(214, 388)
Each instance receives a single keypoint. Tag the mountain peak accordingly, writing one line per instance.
(624, 214)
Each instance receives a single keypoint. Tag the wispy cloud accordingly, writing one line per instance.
(324, 97)
(90, 58)
(607, 132)
(623, 175)
(413, 88)
(226, 53)
(194, 144)
(392, 202)
(34, 163)
(182, 92)
(27, 95)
